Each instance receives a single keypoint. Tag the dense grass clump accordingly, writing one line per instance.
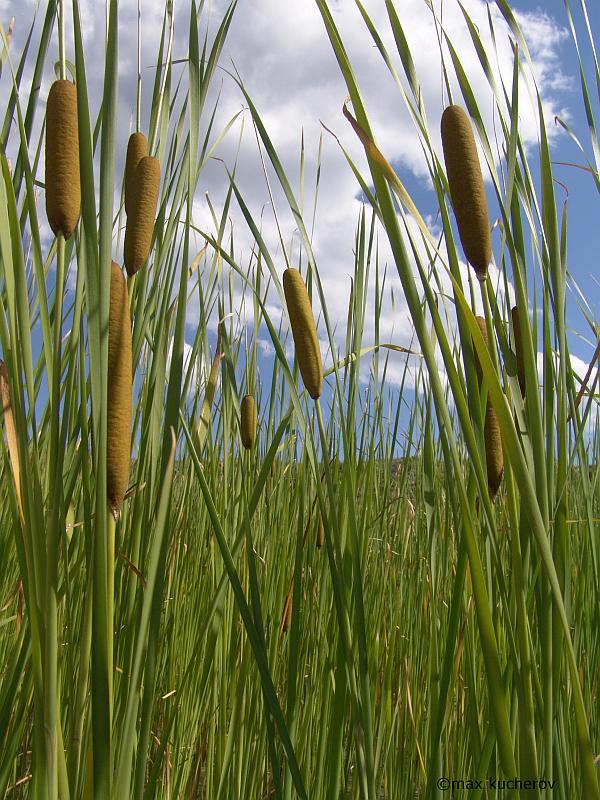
(391, 587)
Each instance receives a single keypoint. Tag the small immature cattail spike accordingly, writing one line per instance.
(63, 182)
(320, 533)
(118, 447)
(137, 148)
(518, 349)
(140, 222)
(248, 411)
(304, 332)
(491, 431)
(466, 188)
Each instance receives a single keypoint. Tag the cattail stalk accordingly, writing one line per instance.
(466, 188)
(140, 221)
(118, 447)
(494, 458)
(304, 332)
(63, 182)
(249, 421)
(118, 437)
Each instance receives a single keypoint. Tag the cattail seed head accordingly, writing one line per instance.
(466, 188)
(140, 222)
(63, 181)
(304, 332)
(494, 458)
(118, 444)
(320, 533)
(137, 148)
(518, 349)
(249, 421)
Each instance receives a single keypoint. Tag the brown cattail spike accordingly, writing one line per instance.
(63, 182)
(320, 533)
(248, 413)
(491, 432)
(304, 332)
(140, 222)
(118, 444)
(466, 188)
(137, 148)
(518, 349)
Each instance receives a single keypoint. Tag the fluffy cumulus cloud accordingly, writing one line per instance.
(284, 58)
(288, 67)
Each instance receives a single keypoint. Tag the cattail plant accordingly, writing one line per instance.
(137, 148)
(118, 452)
(466, 188)
(304, 332)
(63, 183)
(248, 413)
(140, 220)
(491, 432)
(320, 533)
(518, 349)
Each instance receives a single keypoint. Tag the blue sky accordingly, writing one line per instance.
(583, 199)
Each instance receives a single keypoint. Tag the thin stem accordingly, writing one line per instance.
(111, 524)
(52, 540)
(138, 107)
(62, 57)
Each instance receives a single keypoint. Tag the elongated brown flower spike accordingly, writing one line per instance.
(466, 188)
(63, 181)
(518, 349)
(140, 221)
(304, 332)
(320, 533)
(491, 432)
(118, 443)
(249, 421)
(137, 148)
